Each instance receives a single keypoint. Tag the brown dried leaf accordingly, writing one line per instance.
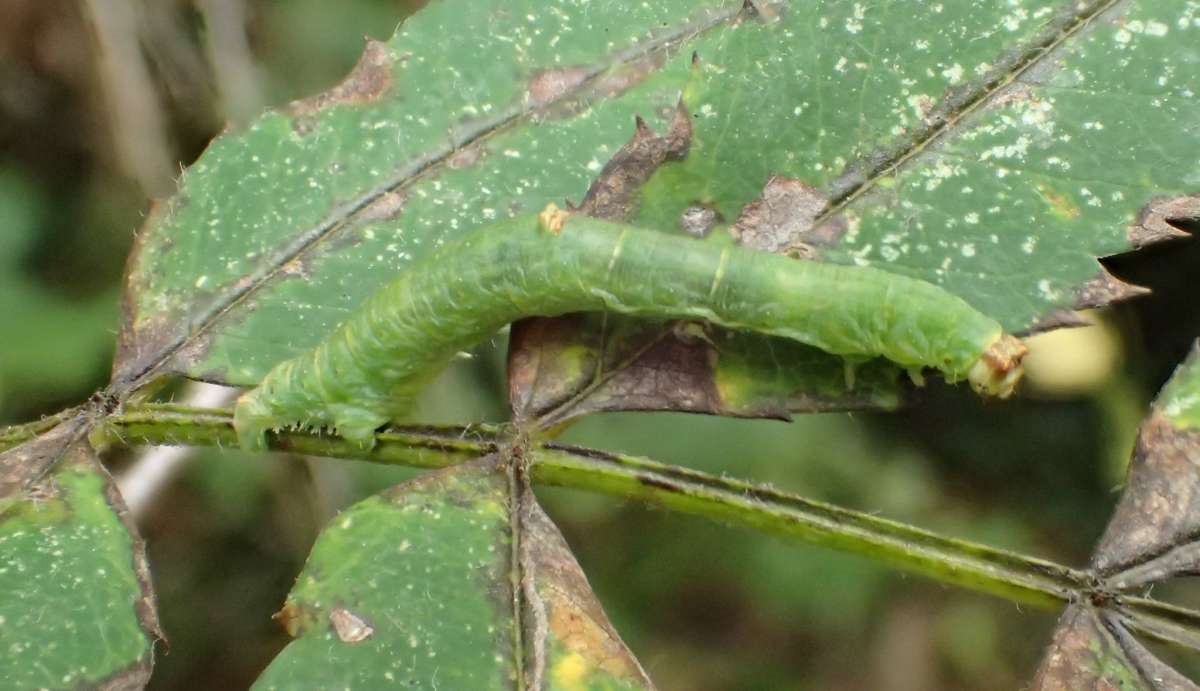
(367, 82)
(1153, 534)
(554, 375)
(1092, 651)
(1106, 289)
(568, 635)
(1163, 218)
(614, 193)
(781, 219)
(24, 465)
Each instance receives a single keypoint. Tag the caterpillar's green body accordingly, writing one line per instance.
(369, 370)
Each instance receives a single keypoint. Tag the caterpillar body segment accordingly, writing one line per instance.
(369, 370)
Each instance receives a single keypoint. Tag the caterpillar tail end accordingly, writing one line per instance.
(998, 370)
(552, 219)
(251, 420)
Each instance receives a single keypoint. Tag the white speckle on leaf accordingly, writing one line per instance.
(854, 24)
(350, 628)
(954, 73)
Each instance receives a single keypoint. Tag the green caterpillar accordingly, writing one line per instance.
(368, 371)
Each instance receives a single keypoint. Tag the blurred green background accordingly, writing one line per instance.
(102, 101)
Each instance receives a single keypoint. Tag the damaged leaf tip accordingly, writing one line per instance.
(1163, 219)
(367, 82)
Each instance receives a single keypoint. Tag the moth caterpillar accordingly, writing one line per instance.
(369, 370)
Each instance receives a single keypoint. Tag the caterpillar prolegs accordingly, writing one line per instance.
(369, 370)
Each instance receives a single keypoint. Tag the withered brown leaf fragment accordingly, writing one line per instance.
(671, 372)
(565, 627)
(782, 218)
(613, 195)
(23, 465)
(349, 627)
(548, 86)
(698, 220)
(1092, 651)
(762, 11)
(1164, 219)
(1105, 289)
(544, 371)
(1155, 531)
(1058, 319)
(367, 82)
(627, 365)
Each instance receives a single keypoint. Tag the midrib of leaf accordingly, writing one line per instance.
(346, 213)
(860, 176)
(516, 573)
(564, 411)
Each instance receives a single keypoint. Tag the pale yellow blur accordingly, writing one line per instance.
(1071, 362)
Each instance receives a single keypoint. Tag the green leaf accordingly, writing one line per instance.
(994, 150)
(423, 587)
(1179, 400)
(77, 609)
(472, 111)
(995, 162)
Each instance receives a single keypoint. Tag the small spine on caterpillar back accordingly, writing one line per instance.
(369, 370)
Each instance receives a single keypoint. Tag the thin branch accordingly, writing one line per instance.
(156, 466)
(970, 565)
(15, 435)
(967, 564)
(425, 446)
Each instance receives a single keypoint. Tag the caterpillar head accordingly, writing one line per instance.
(552, 219)
(252, 417)
(998, 370)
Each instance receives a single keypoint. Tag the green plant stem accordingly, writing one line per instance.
(1005, 574)
(1161, 620)
(423, 446)
(17, 434)
(970, 565)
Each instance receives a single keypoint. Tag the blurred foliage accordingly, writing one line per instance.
(704, 607)
(54, 342)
